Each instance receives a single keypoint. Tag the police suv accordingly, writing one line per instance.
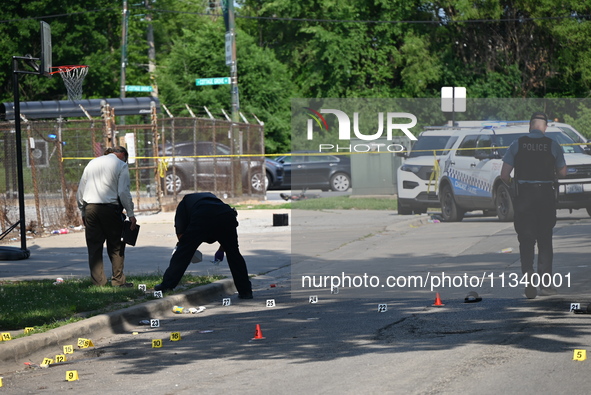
(415, 181)
(469, 177)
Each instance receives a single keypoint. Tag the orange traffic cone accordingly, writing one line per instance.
(258, 334)
(438, 300)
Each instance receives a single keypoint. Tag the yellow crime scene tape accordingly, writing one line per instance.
(302, 153)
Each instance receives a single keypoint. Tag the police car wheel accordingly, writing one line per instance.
(449, 209)
(404, 209)
(504, 204)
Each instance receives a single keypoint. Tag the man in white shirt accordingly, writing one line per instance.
(103, 192)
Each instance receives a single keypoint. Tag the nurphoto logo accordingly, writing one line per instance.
(390, 124)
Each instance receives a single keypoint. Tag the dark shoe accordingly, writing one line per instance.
(530, 291)
(245, 296)
(160, 287)
(126, 285)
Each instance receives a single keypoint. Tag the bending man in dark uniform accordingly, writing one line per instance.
(538, 161)
(199, 218)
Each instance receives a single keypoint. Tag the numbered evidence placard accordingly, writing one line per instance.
(46, 362)
(579, 355)
(71, 375)
(69, 349)
(175, 336)
(60, 358)
(156, 343)
(84, 343)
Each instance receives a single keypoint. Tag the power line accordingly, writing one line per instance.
(60, 15)
(289, 19)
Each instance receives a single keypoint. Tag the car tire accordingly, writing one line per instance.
(258, 182)
(268, 180)
(173, 182)
(340, 182)
(404, 209)
(589, 211)
(504, 204)
(449, 209)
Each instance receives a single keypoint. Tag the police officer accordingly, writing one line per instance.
(199, 218)
(538, 161)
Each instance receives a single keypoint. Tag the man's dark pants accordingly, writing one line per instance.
(104, 222)
(535, 217)
(222, 229)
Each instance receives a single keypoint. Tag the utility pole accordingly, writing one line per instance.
(151, 51)
(236, 134)
(124, 26)
(231, 60)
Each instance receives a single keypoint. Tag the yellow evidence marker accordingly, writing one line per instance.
(579, 355)
(71, 375)
(85, 343)
(46, 362)
(175, 336)
(69, 349)
(156, 343)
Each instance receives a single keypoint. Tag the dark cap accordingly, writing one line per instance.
(539, 115)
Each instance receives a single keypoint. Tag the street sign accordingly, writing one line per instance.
(139, 88)
(212, 81)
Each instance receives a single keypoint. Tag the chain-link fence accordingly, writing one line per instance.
(168, 158)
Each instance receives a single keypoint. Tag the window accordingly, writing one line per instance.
(484, 144)
(467, 147)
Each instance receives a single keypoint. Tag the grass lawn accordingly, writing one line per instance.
(42, 305)
(329, 203)
(345, 203)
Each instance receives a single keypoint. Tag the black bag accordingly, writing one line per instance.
(129, 236)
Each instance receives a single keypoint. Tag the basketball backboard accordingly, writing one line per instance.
(46, 63)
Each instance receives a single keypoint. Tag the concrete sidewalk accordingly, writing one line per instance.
(65, 255)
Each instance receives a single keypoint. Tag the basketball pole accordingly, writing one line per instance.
(19, 152)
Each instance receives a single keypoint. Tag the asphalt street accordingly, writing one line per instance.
(360, 340)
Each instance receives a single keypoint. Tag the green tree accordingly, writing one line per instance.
(264, 83)
(345, 58)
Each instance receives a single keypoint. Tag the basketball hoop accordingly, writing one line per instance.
(73, 77)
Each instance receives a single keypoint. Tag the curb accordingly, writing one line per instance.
(15, 351)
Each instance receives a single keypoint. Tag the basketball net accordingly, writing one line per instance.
(73, 77)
